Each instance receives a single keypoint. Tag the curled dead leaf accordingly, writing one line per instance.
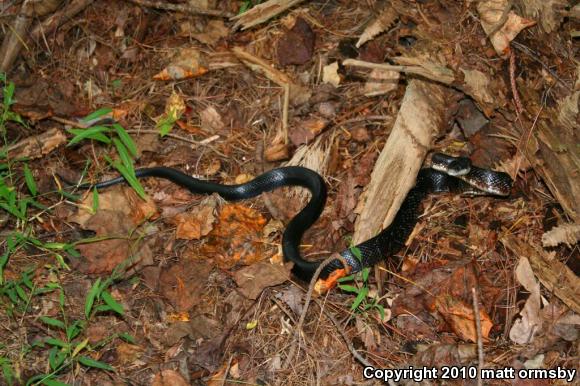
(188, 63)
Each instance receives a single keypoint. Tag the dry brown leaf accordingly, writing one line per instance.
(568, 234)
(211, 120)
(490, 13)
(548, 12)
(128, 353)
(277, 152)
(525, 328)
(210, 34)
(477, 85)
(307, 130)
(253, 279)
(296, 45)
(554, 275)
(181, 280)
(198, 222)
(568, 111)
(237, 237)
(187, 63)
(460, 317)
(169, 378)
(384, 21)
(120, 212)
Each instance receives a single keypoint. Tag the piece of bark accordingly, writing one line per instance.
(262, 12)
(554, 154)
(38, 145)
(421, 117)
(554, 275)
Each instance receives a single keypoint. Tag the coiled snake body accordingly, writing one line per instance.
(447, 174)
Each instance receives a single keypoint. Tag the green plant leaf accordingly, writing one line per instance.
(127, 337)
(53, 382)
(55, 342)
(111, 302)
(92, 295)
(7, 371)
(74, 329)
(365, 274)
(97, 114)
(357, 253)
(346, 278)
(55, 246)
(95, 132)
(124, 155)
(52, 322)
(126, 139)
(56, 358)
(89, 362)
(359, 298)
(29, 178)
(348, 288)
(131, 179)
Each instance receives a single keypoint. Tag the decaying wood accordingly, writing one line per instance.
(38, 145)
(58, 18)
(431, 71)
(555, 276)
(421, 117)
(558, 157)
(14, 40)
(384, 21)
(568, 234)
(262, 12)
(183, 8)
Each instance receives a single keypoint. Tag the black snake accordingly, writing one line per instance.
(447, 174)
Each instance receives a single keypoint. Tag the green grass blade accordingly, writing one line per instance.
(359, 298)
(97, 114)
(111, 302)
(96, 133)
(29, 178)
(124, 155)
(92, 295)
(52, 322)
(131, 179)
(89, 362)
(126, 139)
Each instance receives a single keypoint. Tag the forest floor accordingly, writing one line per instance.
(149, 284)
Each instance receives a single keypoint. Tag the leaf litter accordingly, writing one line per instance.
(203, 301)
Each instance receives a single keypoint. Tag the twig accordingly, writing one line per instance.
(183, 8)
(298, 328)
(285, 112)
(431, 71)
(517, 101)
(479, 337)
